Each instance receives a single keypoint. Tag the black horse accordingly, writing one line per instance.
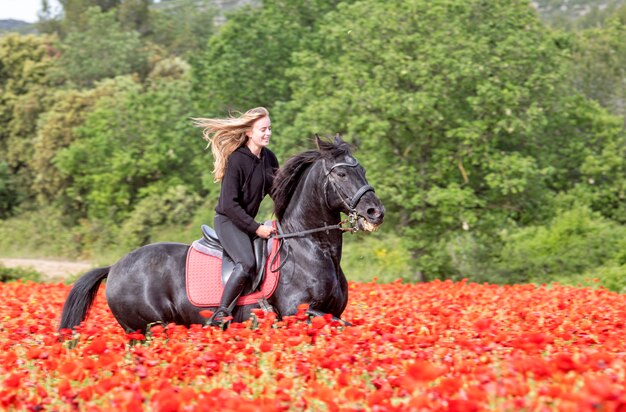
(310, 191)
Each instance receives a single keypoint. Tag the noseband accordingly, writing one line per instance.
(350, 202)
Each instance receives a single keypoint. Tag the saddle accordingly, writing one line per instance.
(210, 245)
(208, 268)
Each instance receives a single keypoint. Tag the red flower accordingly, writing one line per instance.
(13, 380)
(564, 362)
(265, 346)
(421, 372)
(461, 405)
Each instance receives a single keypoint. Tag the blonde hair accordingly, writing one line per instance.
(227, 135)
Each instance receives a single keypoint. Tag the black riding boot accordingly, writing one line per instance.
(232, 290)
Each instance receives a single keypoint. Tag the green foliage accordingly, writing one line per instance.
(164, 206)
(612, 277)
(245, 62)
(76, 12)
(454, 121)
(99, 241)
(127, 144)
(605, 177)
(202, 215)
(7, 191)
(15, 274)
(57, 129)
(599, 64)
(375, 256)
(24, 65)
(25, 60)
(182, 27)
(496, 144)
(101, 50)
(470, 255)
(134, 15)
(576, 241)
(42, 232)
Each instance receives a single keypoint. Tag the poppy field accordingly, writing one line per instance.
(439, 346)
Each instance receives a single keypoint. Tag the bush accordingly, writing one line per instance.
(612, 277)
(576, 242)
(14, 274)
(376, 255)
(38, 233)
(470, 256)
(174, 206)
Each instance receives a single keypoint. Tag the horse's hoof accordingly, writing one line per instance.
(221, 319)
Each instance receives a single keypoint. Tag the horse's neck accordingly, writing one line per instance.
(308, 209)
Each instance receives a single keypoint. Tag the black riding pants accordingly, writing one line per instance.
(238, 245)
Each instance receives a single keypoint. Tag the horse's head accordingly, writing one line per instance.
(345, 185)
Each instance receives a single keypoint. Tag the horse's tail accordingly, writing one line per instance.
(81, 297)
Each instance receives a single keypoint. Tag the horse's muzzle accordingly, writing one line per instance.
(373, 218)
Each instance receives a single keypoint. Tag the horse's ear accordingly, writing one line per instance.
(318, 142)
(338, 139)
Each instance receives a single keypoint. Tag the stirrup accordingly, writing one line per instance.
(217, 318)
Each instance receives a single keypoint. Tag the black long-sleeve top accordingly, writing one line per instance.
(247, 179)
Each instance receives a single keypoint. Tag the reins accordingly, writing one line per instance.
(352, 220)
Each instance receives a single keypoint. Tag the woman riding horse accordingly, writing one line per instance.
(310, 192)
(246, 168)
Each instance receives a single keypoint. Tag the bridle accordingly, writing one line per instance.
(349, 201)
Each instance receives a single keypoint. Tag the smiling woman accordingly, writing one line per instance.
(246, 168)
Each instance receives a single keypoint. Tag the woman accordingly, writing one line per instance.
(246, 168)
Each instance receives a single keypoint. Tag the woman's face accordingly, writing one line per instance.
(259, 135)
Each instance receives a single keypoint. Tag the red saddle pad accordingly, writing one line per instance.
(204, 278)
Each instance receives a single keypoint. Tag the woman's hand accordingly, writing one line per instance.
(265, 231)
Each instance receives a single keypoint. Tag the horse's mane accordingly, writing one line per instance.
(290, 174)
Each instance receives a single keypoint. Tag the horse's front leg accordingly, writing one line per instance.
(315, 312)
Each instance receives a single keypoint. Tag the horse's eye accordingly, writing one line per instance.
(341, 174)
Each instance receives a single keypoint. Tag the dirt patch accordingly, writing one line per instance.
(53, 269)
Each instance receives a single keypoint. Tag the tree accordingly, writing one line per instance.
(25, 63)
(134, 144)
(603, 184)
(100, 51)
(134, 15)
(57, 130)
(457, 109)
(76, 14)
(245, 64)
(599, 64)
(183, 27)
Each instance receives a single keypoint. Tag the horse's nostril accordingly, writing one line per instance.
(373, 212)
